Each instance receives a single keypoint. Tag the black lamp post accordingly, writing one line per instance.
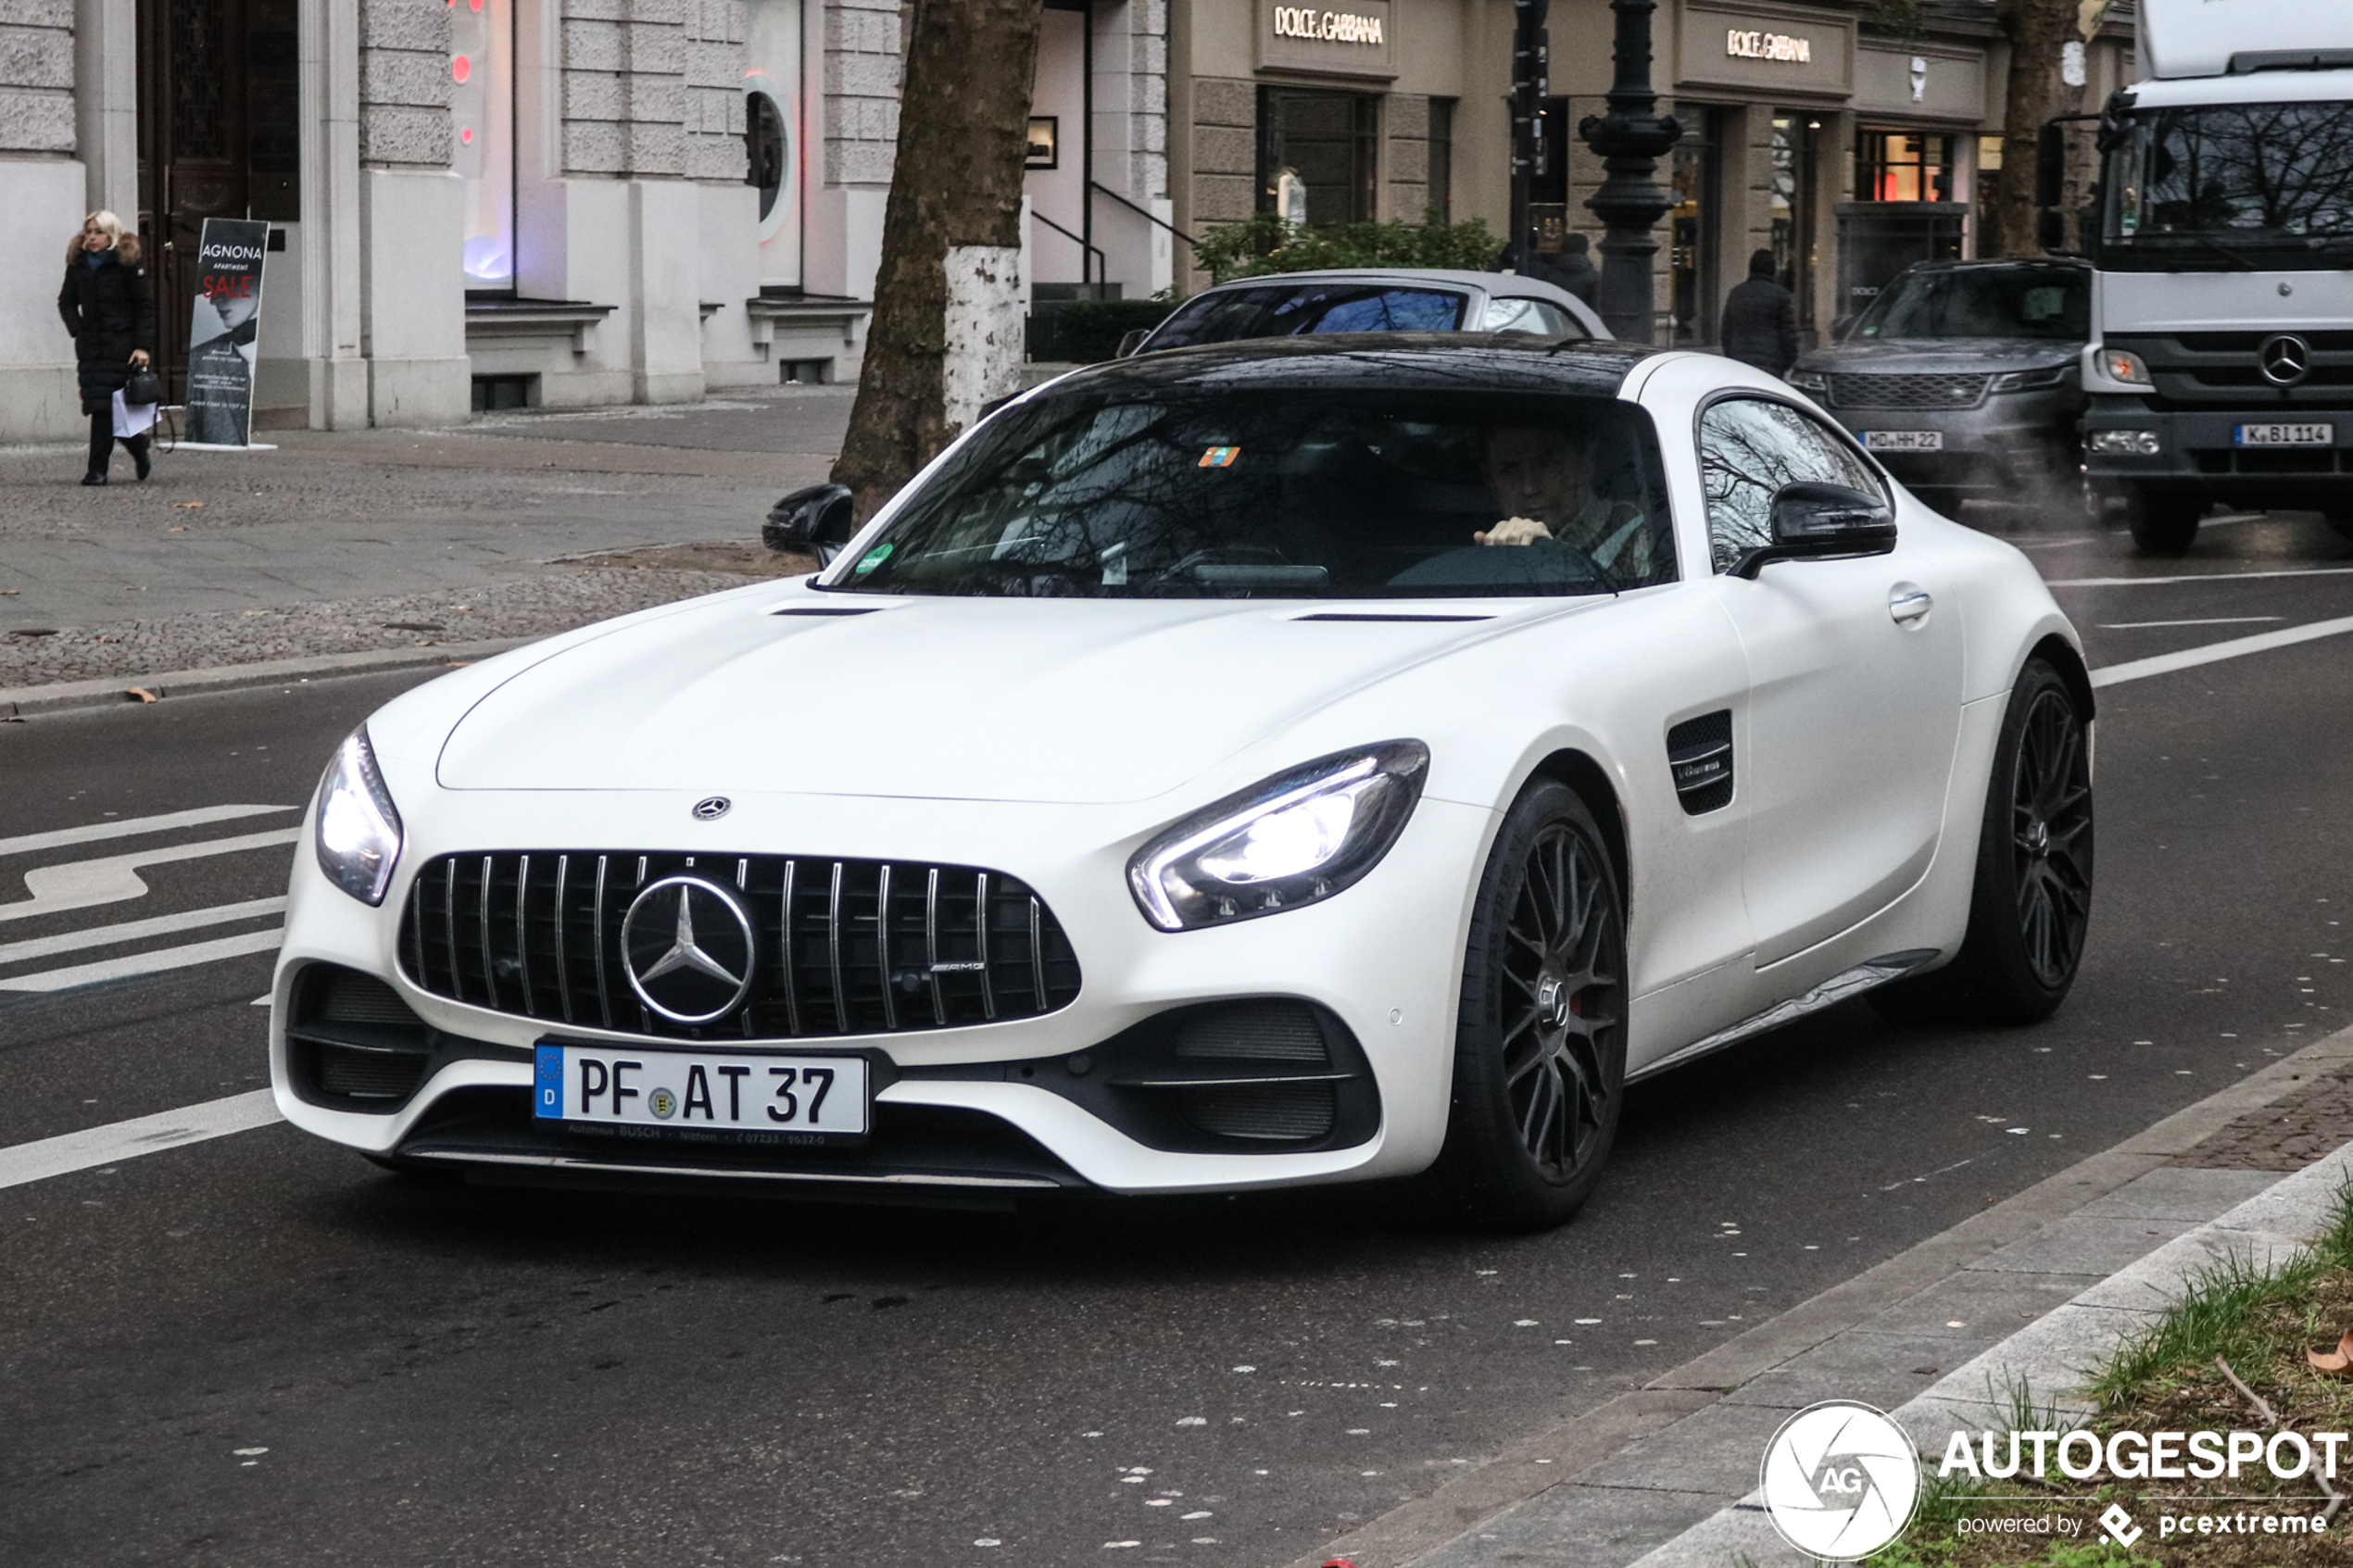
(1531, 50)
(1631, 139)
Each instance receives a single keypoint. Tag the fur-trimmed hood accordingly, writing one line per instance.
(126, 250)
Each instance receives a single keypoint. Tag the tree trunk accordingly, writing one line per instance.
(947, 327)
(2038, 31)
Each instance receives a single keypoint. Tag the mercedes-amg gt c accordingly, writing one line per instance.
(1243, 766)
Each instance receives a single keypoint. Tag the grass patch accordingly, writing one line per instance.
(2259, 1318)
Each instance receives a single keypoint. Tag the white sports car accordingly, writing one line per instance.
(1309, 761)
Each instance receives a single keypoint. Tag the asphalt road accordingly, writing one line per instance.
(260, 1349)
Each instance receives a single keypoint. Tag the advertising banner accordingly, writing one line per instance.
(223, 331)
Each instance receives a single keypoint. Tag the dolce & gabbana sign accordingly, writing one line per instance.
(1768, 47)
(1337, 37)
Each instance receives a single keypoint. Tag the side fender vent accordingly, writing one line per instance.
(1699, 758)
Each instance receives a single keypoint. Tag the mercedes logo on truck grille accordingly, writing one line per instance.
(688, 949)
(2285, 360)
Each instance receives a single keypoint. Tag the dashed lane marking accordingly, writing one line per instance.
(2189, 658)
(132, 931)
(2196, 577)
(154, 963)
(141, 1135)
(89, 832)
(77, 885)
(2208, 621)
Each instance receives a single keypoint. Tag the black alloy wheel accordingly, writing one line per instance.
(2051, 836)
(1540, 1054)
(2031, 900)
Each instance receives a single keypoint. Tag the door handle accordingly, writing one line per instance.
(1909, 602)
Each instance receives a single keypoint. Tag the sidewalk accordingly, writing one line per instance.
(2039, 1288)
(516, 525)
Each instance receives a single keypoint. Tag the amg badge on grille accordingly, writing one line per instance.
(689, 949)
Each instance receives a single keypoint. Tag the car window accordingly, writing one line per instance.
(1295, 309)
(1541, 317)
(1749, 447)
(1306, 493)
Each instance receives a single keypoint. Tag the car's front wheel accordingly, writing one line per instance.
(1540, 1044)
(2031, 903)
(2162, 524)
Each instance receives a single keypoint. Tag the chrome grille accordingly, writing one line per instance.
(845, 946)
(1855, 389)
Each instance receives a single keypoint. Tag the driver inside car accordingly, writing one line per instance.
(1542, 481)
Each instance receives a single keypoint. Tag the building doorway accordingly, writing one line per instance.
(1318, 155)
(219, 137)
(1793, 203)
(1691, 247)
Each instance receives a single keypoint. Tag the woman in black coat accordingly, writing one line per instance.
(111, 313)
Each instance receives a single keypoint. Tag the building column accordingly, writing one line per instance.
(1833, 184)
(331, 197)
(105, 109)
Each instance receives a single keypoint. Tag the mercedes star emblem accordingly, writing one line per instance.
(688, 949)
(711, 807)
(2285, 359)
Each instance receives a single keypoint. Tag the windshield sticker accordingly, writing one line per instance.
(873, 559)
(1220, 456)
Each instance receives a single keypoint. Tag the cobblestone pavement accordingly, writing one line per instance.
(503, 528)
(2308, 1125)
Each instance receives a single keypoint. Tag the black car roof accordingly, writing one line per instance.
(1375, 362)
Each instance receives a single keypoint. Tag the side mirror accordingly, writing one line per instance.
(1815, 522)
(1130, 340)
(820, 520)
(2050, 166)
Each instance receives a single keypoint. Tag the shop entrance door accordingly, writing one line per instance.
(219, 137)
(1691, 256)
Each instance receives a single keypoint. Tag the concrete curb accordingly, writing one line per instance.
(114, 690)
(1545, 1461)
(2050, 1357)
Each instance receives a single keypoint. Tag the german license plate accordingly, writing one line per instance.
(2284, 435)
(699, 1091)
(1902, 440)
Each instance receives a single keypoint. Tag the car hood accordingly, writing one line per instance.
(1078, 701)
(1941, 355)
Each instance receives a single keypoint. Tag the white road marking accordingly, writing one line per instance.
(130, 930)
(59, 838)
(2189, 658)
(2196, 577)
(154, 963)
(77, 885)
(2211, 620)
(142, 1134)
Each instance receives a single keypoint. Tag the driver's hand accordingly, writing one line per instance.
(1514, 530)
(139, 357)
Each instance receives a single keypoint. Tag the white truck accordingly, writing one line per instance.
(2220, 364)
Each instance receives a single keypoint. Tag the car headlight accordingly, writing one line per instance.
(2031, 381)
(1301, 836)
(2123, 365)
(1809, 381)
(358, 834)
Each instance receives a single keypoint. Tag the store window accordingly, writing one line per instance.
(1441, 160)
(1903, 166)
(772, 148)
(1691, 253)
(1793, 203)
(481, 100)
(1318, 155)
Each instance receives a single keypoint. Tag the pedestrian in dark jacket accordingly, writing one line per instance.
(111, 313)
(1574, 269)
(1760, 320)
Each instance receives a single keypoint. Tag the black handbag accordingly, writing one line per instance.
(143, 390)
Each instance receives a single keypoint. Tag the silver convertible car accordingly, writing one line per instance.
(1314, 762)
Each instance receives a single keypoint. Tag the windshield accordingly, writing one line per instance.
(2206, 187)
(2046, 302)
(1280, 309)
(1338, 493)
